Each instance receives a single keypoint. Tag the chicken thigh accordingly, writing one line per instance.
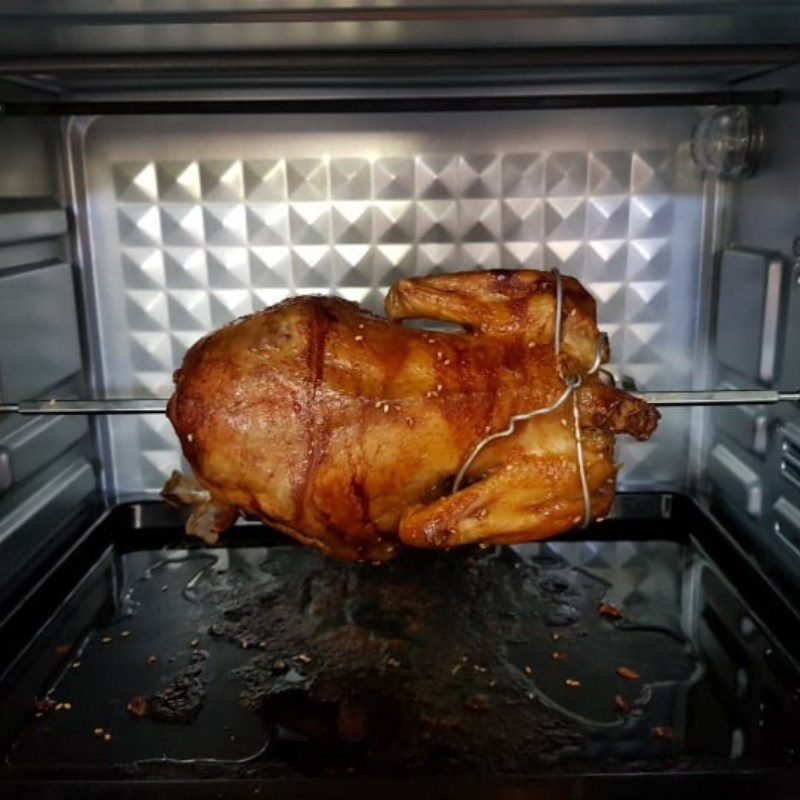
(345, 430)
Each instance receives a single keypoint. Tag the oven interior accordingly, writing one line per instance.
(166, 170)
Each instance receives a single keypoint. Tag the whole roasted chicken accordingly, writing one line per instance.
(345, 430)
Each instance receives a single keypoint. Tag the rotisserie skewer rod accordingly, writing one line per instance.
(155, 405)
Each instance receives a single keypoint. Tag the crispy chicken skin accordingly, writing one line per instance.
(345, 430)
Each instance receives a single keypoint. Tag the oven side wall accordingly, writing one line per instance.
(47, 470)
(753, 458)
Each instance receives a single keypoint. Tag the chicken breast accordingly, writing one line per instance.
(345, 430)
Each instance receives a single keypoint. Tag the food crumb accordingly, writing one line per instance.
(555, 637)
(627, 672)
(151, 659)
(194, 643)
(105, 639)
(107, 737)
(125, 634)
(456, 669)
(98, 731)
(609, 610)
(531, 695)
(392, 662)
(67, 706)
(76, 664)
(303, 658)
(572, 683)
(621, 704)
(527, 670)
(663, 732)
(262, 645)
(137, 706)
(63, 649)
(556, 655)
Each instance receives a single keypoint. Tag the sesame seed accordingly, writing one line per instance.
(439, 354)
(572, 683)
(385, 408)
(447, 362)
(359, 338)
(151, 659)
(98, 731)
(125, 634)
(361, 326)
(576, 520)
(528, 670)
(378, 403)
(190, 437)
(456, 669)
(531, 695)
(106, 737)
(76, 664)
(105, 639)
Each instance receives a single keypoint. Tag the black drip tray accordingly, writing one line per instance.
(622, 651)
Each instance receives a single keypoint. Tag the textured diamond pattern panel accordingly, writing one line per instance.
(644, 577)
(202, 241)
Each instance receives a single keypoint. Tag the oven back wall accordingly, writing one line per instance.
(190, 222)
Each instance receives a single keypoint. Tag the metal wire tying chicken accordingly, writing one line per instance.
(345, 429)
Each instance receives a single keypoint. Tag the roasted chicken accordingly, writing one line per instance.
(345, 429)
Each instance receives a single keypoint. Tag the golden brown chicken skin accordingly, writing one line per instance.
(345, 429)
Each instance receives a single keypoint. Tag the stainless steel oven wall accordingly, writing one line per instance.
(753, 465)
(47, 474)
(189, 222)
